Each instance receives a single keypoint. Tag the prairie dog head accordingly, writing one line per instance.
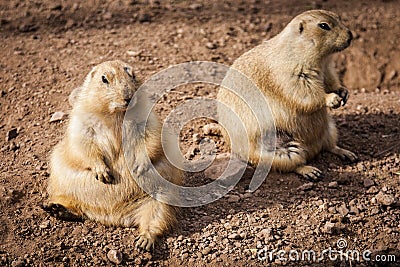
(108, 88)
(320, 32)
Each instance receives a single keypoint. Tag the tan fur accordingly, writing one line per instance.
(294, 72)
(89, 172)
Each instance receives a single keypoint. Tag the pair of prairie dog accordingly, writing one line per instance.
(89, 172)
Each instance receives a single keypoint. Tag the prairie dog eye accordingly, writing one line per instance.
(104, 79)
(324, 26)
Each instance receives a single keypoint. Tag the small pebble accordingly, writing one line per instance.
(385, 199)
(114, 256)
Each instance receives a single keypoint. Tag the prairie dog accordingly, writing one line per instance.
(89, 175)
(294, 72)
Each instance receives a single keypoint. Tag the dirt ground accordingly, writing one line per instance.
(47, 48)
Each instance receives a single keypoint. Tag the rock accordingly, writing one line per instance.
(114, 256)
(69, 24)
(333, 184)
(385, 199)
(144, 17)
(191, 152)
(392, 75)
(211, 45)
(58, 116)
(11, 134)
(212, 129)
(264, 233)
(196, 138)
(343, 210)
(368, 183)
(56, 6)
(134, 53)
(233, 199)
(13, 146)
(185, 256)
(45, 225)
(234, 236)
(305, 187)
(18, 263)
(372, 190)
(107, 16)
(354, 210)
(328, 228)
(206, 251)
(196, 6)
(2, 93)
(219, 166)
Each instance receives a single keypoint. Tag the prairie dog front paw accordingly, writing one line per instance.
(337, 98)
(103, 174)
(333, 100)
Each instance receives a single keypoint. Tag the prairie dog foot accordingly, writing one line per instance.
(103, 174)
(61, 212)
(309, 172)
(344, 154)
(144, 242)
(338, 98)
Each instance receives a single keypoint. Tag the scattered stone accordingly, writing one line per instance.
(333, 184)
(206, 251)
(107, 16)
(114, 256)
(13, 146)
(368, 183)
(233, 199)
(11, 134)
(56, 6)
(69, 24)
(45, 225)
(361, 207)
(343, 210)
(196, 6)
(264, 233)
(220, 165)
(332, 210)
(392, 75)
(306, 186)
(134, 53)
(328, 228)
(191, 152)
(58, 116)
(385, 199)
(372, 190)
(144, 17)
(212, 129)
(354, 210)
(268, 27)
(196, 138)
(18, 263)
(211, 45)
(185, 256)
(234, 236)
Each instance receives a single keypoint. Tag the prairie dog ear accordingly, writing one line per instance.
(74, 95)
(301, 27)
